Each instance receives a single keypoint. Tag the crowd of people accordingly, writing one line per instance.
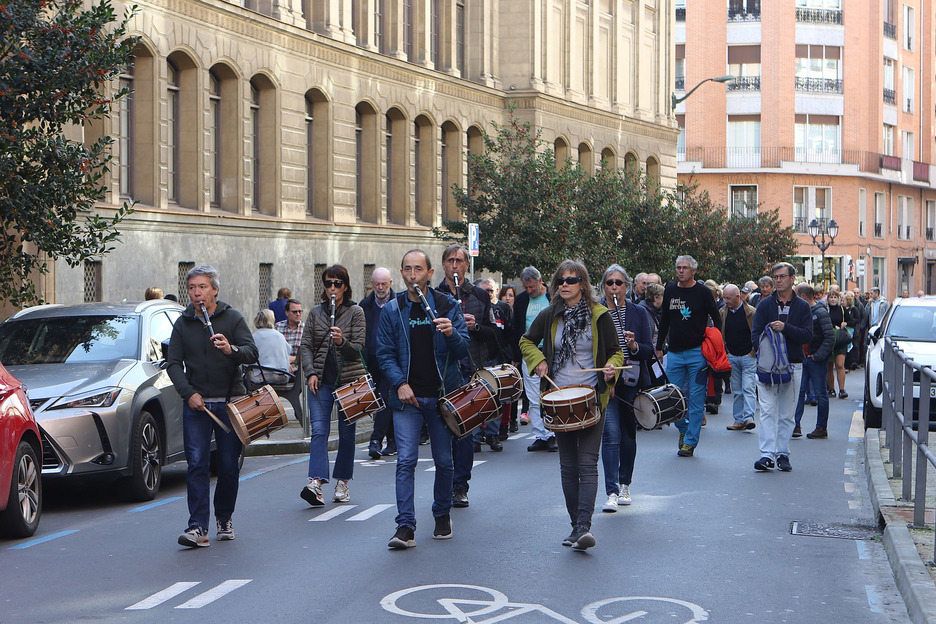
(774, 345)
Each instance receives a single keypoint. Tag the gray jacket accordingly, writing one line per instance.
(315, 342)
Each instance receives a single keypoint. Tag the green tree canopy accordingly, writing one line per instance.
(531, 212)
(56, 61)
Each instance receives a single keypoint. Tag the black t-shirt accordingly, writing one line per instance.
(423, 373)
(737, 333)
(684, 315)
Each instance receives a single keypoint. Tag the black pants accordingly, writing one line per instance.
(383, 420)
(578, 470)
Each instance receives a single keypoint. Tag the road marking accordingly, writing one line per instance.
(155, 504)
(874, 599)
(474, 464)
(331, 513)
(213, 594)
(862, 547)
(162, 596)
(42, 540)
(520, 436)
(250, 476)
(368, 513)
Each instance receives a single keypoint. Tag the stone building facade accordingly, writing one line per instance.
(275, 137)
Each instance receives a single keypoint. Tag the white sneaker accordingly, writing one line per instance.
(342, 495)
(624, 498)
(612, 504)
(312, 493)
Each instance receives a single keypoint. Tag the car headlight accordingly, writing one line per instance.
(103, 398)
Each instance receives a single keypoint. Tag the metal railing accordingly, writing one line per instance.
(680, 83)
(818, 85)
(818, 16)
(898, 424)
(890, 30)
(889, 96)
(744, 83)
(744, 15)
(929, 234)
(878, 230)
(680, 14)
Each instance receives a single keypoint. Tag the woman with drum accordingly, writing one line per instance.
(331, 348)
(619, 441)
(580, 348)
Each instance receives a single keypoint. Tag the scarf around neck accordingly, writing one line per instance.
(576, 320)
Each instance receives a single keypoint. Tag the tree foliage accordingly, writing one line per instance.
(532, 213)
(57, 59)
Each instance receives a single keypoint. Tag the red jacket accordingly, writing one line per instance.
(713, 350)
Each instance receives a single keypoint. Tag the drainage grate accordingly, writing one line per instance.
(841, 531)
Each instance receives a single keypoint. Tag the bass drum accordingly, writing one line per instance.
(659, 406)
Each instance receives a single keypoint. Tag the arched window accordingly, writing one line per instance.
(631, 164)
(451, 169)
(425, 164)
(224, 139)
(475, 141)
(317, 155)
(586, 157)
(137, 148)
(263, 146)
(653, 174)
(126, 137)
(367, 162)
(608, 159)
(398, 178)
(173, 127)
(563, 154)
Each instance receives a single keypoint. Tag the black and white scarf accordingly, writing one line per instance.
(576, 320)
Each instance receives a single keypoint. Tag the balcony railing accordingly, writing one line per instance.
(799, 225)
(743, 15)
(819, 85)
(680, 14)
(775, 157)
(744, 83)
(921, 171)
(890, 30)
(878, 230)
(930, 233)
(819, 16)
(890, 162)
(680, 83)
(904, 232)
(889, 96)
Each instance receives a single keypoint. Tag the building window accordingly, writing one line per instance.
(681, 138)
(908, 27)
(744, 61)
(254, 146)
(817, 139)
(862, 212)
(359, 163)
(889, 95)
(425, 170)
(818, 69)
(586, 157)
(744, 10)
(744, 141)
(125, 139)
(680, 60)
(879, 215)
(380, 26)
(743, 201)
(810, 202)
(906, 145)
(265, 285)
(460, 36)
(930, 220)
(408, 29)
(92, 281)
(173, 123)
(398, 170)
(878, 273)
(452, 159)
(435, 25)
(214, 139)
(904, 217)
(310, 157)
(906, 92)
(888, 147)
(367, 162)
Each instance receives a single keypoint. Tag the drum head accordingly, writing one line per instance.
(645, 411)
(564, 395)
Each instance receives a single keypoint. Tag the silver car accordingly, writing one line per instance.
(98, 386)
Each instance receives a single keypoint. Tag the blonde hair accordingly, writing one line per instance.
(264, 319)
(153, 292)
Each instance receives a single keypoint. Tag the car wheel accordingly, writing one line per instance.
(870, 414)
(24, 507)
(146, 454)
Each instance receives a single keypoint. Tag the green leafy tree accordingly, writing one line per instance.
(56, 61)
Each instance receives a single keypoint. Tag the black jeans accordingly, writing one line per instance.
(578, 469)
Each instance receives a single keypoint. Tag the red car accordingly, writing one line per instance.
(20, 461)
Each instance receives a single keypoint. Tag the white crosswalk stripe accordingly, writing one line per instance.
(474, 464)
(213, 594)
(369, 513)
(162, 596)
(331, 513)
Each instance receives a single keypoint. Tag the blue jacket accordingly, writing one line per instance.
(393, 346)
(797, 330)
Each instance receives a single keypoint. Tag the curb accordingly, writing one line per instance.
(301, 445)
(913, 580)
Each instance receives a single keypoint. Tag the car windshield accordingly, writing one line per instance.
(59, 339)
(913, 323)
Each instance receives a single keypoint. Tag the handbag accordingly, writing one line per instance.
(257, 375)
(842, 338)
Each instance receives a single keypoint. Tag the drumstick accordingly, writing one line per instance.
(217, 420)
(598, 370)
(546, 377)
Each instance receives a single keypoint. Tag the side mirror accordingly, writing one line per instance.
(874, 334)
(164, 346)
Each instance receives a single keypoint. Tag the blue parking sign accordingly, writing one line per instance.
(474, 239)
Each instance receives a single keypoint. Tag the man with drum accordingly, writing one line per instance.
(533, 300)
(209, 342)
(476, 307)
(687, 305)
(420, 339)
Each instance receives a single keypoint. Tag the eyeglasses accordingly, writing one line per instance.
(613, 282)
(783, 275)
(568, 280)
(333, 283)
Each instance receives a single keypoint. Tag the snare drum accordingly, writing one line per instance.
(358, 399)
(505, 379)
(570, 408)
(659, 406)
(468, 407)
(258, 414)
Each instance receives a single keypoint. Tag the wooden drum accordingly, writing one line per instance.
(570, 408)
(258, 414)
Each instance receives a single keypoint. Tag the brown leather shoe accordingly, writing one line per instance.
(736, 426)
(818, 433)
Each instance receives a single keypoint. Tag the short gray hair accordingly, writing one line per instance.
(265, 319)
(617, 268)
(531, 273)
(765, 280)
(208, 271)
(692, 261)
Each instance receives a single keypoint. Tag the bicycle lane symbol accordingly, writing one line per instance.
(467, 603)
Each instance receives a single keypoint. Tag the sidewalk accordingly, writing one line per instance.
(905, 551)
(289, 440)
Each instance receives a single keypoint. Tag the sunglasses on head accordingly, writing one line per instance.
(614, 282)
(569, 280)
(333, 283)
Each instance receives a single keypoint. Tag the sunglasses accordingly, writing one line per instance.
(568, 280)
(333, 283)
(614, 282)
(296, 311)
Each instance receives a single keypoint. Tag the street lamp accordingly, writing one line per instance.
(816, 229)
(677, 100)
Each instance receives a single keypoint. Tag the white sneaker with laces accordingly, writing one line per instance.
(624, 497)
(612, 504)
(225, 530)
(342, 495)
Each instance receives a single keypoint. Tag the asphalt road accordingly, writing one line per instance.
(706, 539)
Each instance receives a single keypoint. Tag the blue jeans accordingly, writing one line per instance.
(815, 372)
(743, 386)
(619, 439)
(320, 409)
(197, 428)
(683, 368)
(407, 423)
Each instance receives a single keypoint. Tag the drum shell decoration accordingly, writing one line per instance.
(258, 414)
(505, 378)
(562, 412)
(358, 399)
(465, 409)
